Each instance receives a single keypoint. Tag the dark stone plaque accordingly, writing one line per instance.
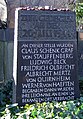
(46, 56)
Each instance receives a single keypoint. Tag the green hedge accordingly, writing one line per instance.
(49, 110)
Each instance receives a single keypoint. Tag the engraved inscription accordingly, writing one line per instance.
(39, 26)
(48, 71)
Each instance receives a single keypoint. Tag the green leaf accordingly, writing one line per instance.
(34, 113)
(41, 114)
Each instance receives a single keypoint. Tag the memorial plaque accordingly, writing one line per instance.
(45, 56)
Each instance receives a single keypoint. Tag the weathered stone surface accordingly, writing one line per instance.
(44, 24)
(12, 4)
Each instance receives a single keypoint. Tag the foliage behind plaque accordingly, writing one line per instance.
(79, 15)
